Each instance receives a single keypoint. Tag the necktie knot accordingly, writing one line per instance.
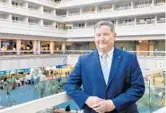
(104, 56)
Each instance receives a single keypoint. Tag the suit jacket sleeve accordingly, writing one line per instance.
(73, 85)
(136, 88)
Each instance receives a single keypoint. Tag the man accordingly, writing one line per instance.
(111, 78)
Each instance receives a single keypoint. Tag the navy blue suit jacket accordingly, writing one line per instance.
(125, 85)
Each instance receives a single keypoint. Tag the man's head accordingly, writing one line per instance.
(104, 36)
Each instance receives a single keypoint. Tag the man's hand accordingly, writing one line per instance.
(104, 106)
(92, 100)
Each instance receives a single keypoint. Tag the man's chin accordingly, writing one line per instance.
(102, 49)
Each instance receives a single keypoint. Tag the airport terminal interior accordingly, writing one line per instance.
(41, 41)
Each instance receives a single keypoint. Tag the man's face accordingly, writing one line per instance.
(104, 38)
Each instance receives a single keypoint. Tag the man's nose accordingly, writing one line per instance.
(102, 37)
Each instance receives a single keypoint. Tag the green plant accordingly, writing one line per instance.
(50, 87)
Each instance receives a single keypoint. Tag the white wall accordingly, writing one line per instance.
(9, 63)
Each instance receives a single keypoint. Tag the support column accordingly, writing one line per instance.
(54, 24)
(10, 18)
(113, 7)
(151, 48)
(35, 47)
(155, 19)
(116, 24)
(152, 3)
(26, 5)
(63, 47)
(26, 20)
(67, 12)
(41, 9)
(80, 11)
(38, 47)
(96, 9)
(0, 45)
(52, 47)
(132, 5)
(137, 48)
(54, 11)
(85, 24)
(135, 21)
(41, 22)
(10, 2)
(18, 46)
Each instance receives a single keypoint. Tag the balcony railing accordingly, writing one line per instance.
(25, 52)
(151, 92)
(38, 105)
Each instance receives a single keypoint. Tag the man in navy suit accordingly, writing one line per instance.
(108, 79)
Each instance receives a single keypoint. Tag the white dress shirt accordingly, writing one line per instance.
(109, 61)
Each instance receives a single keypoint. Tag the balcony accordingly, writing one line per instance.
(122, 12)
(127, 30)
(34, 30)
(71, 3)
(25, 11)
(150, 102)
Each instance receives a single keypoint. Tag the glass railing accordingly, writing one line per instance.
(34, 98)
(154, 97)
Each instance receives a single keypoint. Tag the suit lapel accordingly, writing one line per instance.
(115, 63)
(99, 72)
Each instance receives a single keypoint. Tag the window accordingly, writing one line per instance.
(146, 20)
(33, 7)
(143, 3)
(14, 18)
(123, 6)
(57, 1)
(91, 24)
(3, 17)
(126, 22)
(81, 25)
(74, 11)
(89, 10)
(160, 2)
(17, 4)
(161, 19)
(47, 23)
(32, 21)
(105, 8)
(3, 1)
(17, 19)
(47, 10)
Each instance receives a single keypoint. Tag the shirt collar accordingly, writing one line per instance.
(110, 53)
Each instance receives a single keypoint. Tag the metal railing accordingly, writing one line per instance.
(38, 105)
(24, 52)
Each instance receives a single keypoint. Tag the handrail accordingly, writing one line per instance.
(156, 70)
(38, 105)
(32, 52)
